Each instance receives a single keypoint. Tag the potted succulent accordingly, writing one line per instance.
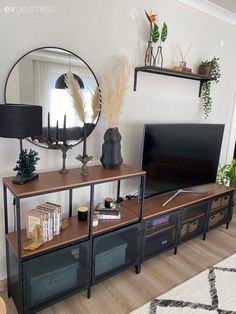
(209, 68)
(227, 174)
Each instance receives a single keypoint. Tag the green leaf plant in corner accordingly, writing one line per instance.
(206, 86)
(227, 174)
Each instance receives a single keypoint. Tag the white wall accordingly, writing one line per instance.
(99, 32)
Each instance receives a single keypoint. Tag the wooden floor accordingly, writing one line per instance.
(127, 291)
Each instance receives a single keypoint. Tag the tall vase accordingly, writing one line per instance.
(149, 54)
(111, 149)
(158, 59)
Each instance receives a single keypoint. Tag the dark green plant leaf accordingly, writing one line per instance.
(164, 32)
(155, 33)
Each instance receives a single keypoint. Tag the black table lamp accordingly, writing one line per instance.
(20, 121)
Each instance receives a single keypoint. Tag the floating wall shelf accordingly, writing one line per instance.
(169, 72)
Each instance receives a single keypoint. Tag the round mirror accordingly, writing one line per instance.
(38, 78)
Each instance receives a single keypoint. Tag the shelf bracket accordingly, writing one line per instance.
(135, 78)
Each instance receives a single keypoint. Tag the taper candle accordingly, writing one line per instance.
(49, 130)
(64, 131)
(57, 133)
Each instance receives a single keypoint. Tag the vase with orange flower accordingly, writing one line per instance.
(149, 57)
(155, 36)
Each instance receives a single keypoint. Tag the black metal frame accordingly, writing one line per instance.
(140, 224)
(53, 47)
(205, 230)
(22, 309)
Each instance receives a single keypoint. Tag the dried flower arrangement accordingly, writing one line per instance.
(78, 98)
(114, 89)
(79, 105)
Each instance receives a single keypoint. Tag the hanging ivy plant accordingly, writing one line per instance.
(206, 86)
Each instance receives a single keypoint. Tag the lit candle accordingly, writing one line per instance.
(49, 131)
(57, 133)
(84, 146)
(64, 131)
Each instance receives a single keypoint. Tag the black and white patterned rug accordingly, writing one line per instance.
(211, 292)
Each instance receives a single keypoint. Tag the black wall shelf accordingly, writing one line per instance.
(170, 72)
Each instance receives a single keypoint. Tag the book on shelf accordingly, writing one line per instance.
(105, 216)
(113, 212)
(107, 213)
(34, 218)
(48, 216)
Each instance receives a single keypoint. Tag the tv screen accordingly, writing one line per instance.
(177, 156)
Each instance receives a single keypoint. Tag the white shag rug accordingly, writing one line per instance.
(213, 291)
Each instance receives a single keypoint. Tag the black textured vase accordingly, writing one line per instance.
(111, 149)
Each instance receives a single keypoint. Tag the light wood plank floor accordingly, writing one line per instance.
(127, 291)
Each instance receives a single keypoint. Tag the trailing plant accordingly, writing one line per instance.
(206, 86)
(227, 174)
(25, 166)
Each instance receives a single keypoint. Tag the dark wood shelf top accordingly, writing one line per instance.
(171, 72)
(76, 231)
(53, 181)
(153, 206)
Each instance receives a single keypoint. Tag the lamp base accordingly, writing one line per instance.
(21, 180)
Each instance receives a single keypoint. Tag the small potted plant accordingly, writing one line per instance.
(227, 174)
(209, 68)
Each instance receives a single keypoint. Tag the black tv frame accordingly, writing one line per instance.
(179, 123)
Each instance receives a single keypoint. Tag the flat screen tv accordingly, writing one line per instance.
(177, 156)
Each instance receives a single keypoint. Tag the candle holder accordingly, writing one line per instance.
(84, 159)
(53, 143)
(64, 148)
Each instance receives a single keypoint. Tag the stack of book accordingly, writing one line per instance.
(48, 216)
(107, 213)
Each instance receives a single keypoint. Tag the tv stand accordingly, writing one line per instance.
(178, 192)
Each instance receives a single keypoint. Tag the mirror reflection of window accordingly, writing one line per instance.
(58, 101)
(32, 81)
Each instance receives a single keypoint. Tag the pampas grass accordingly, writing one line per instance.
(96, 104)
(77, 96)
(114, 90)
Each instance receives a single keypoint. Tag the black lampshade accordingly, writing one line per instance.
(20, 121)
(61, 84)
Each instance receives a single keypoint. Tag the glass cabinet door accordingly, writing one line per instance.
(114, 251)
(56, 274)
(193, 219)
(160, 234)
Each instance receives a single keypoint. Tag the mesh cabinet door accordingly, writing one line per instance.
(54, 275)
(115, 251)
